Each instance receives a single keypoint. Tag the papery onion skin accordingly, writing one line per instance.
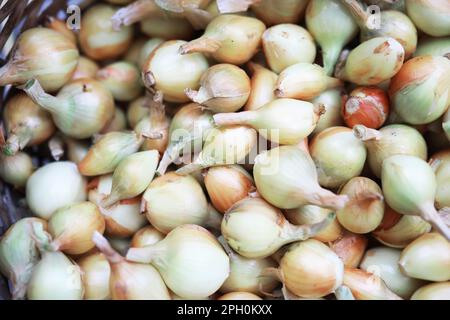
(434, 291)
(430, 16)
(310, 269)
(97, 38)
(27, 63)
(16, 169)
(53, 186)
(338, 156)
(146, 236)
(86, 68)
(420, 91)
(433, 46)
(96, 275)
(350, 248)
(263, 83)
(239, 296)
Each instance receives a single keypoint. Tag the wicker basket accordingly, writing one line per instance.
(16, 17)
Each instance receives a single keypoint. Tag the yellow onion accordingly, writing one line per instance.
(433, 46)
(86, 68)
(147, 49)
(420, 91)
(287, 44)
(81, 109)
(304, 81)
(161, 25)
(96, 275)
(383, 262)
(122, 79)
(239, 296)
(98, 39)
(146, 236)
(398, 231)
(227, 185)
(53, 186)
(76, 150)
(311, 214)
(263, 83)
(223, 88)
(223, 146)
(129, 280)
(388, 4)
(430, 16)
(441, 165)
(332, 27)
(427, 258)
(283, 121)
(388, 141)
(350, 248)
(446, 124)
(310, 269)
(255, 229)
(132, 176)
(16, 169)
(434, 291)
(409, 187)
(124, 218)
(26, 124)
(133, 53)
(137, 110)
(190, 260)
(286, 177)
(117, 123)
(392, 23)
(367, 286)
(187, 131)
(172, 200)
(372, 62)
(338, 156)
(229, 38)
(19, 254)
(171, 72)
(365, 210)
(331, 102)
(43, 54)
(72, 227)
(61, 27)
(136, 11)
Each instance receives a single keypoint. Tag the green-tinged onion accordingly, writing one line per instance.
(172, 200)
(365, 210)
(383, 262)
(96, 275)
(161, 25)
(286, 177)
(427, 258)
(430, 16)
(188, 129)
(388, 141)
(350, 248)
(81, 109)
(263, 83)
(53, 186)
(19, 254)
(223, 146)
(43, 54)
(26, 124)
(16, 169)
(223, 88)
(124, 218)
(287, 44)
(409, 187)
(129, 280)
(132, 176)
(367, 286)
(372, 62)
(229, 38)
(434, 291)
(332, 27)
(227, 185)
(97, 37)
(239, 296)
(137, 110)
(146, 236)
(86, 68)
(304, 81)
(446, 124)
(331, 101)
(392, 23)
(420, 92)
(76, 150)
(283, 121)
(171, 72)
(398, 231)
(72, 227)
(255, 229)
(441, 165)
(433, 46)
(122, 79)
(190, 260)
(147, 49)
(61, 27)
(117, 123)
(310, 214)
(338, 156)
